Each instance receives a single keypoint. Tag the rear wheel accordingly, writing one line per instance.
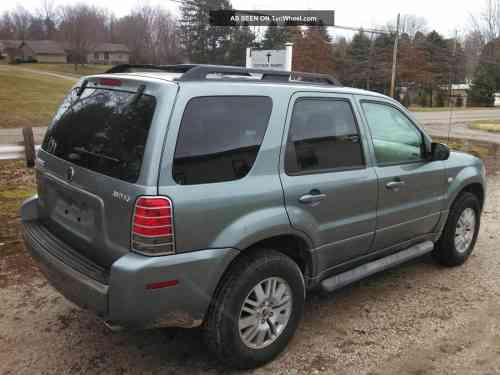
(256, 310)
(460, 232)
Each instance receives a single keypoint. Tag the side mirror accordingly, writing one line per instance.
(439, 151)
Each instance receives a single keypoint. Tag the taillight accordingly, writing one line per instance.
(152, 226)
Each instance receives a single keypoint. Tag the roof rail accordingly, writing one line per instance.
(199, 72)
(127, 68)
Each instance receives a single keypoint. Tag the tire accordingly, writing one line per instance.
(222, 325)
(447, 252)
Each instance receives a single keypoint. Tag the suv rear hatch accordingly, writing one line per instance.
(98, 157)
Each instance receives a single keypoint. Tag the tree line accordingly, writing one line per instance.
(428, 62)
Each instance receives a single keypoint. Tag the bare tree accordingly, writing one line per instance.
(411, 24)
(22, 20)
(488, 21)
(7, 27)
(82, 27)
(151, 33)
(473, 45)
(48, 14)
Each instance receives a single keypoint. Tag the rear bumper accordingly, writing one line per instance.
(119, 295)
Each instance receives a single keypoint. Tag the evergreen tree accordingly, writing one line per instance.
(358, 55)
(437, 54)
(487, 76)
(241, 38)
(275, 37)
(202, 42)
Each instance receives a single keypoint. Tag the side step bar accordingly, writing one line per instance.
(342, 279)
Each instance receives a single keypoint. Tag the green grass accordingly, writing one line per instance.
(492, 126)
(68, 69)
(444, 109)
(28, 99)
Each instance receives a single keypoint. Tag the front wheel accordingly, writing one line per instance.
(460, 232)
(256, 309)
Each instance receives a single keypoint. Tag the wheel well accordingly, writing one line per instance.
(292, 246)
(477, 190)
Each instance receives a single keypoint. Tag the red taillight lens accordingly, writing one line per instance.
(152, 226)
(110, 82)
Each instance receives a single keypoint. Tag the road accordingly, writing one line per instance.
(461, 116)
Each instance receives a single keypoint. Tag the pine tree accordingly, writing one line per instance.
(358, 55)
(202, 42)
(275, 37)
(241, 38)
(487, 76)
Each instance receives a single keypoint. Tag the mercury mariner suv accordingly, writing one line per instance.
(215, 197)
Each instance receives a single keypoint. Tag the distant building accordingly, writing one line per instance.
(42, 51)
(109, 53)
(497, 99)
(459, 93)
(9, 49)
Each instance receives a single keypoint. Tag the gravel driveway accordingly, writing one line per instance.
(417, 319)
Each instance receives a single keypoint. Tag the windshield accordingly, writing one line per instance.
(102, 130)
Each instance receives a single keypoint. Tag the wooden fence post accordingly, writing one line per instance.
(29, 146)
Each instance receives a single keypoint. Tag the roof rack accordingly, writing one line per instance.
(199, 72)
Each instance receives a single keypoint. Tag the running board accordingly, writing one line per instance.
(342, 279)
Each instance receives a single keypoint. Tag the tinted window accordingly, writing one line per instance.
(102, 130)
(395, 138)
(323, 136)
(219, 138)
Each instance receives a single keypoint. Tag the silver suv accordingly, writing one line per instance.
(195, 195)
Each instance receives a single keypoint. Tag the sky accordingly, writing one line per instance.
(445, 16)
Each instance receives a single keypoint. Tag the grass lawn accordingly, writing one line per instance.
(487, 125)
(28, 99)
(16, 184)
(68, 69)
(444, 109)
(465, 146)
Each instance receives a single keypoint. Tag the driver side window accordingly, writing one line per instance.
(396, 140)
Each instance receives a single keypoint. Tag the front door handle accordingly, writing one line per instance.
(312, 198)
(394, 185)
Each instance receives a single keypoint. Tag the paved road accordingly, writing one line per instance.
(443, 117)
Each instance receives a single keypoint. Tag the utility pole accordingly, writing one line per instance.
(394, 60)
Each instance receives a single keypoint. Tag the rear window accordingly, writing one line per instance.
(102, 130)
(219, 138)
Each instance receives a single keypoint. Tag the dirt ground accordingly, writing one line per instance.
(416, 319)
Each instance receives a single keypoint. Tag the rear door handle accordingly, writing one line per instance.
(312, 198)
(394, 185)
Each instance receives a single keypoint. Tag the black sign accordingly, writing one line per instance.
(272, 17)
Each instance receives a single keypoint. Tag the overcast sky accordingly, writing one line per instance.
(443, 15)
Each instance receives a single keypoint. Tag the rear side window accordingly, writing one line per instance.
(219, 138)
(102, 130)
(323, 137)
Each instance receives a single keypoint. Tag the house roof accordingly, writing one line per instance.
(110, 47)
(45, 47)
(9, 43)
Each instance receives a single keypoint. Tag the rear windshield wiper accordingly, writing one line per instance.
(101, 156)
